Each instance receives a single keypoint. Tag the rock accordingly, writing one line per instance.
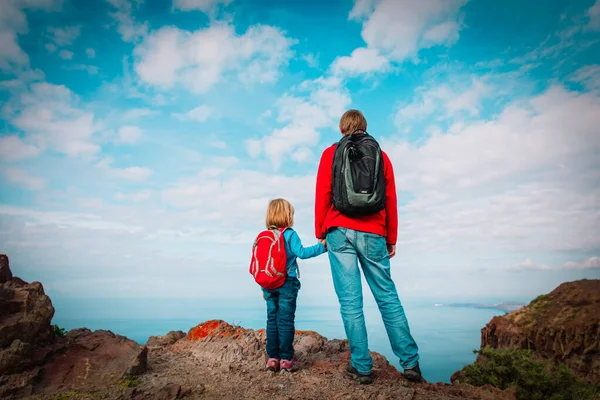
(563, 325)
(92, 361)
(26, 313)
(169, 392)
(5, 272)
(16, 358)
(18, 386)
(167, 340)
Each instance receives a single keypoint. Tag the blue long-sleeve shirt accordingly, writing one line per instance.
(294, 250)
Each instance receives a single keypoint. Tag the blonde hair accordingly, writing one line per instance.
(280, 213)
(351, 121)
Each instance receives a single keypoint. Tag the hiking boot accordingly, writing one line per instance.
(357, 376)
(413, 374)
(273, 364)
(288, 365)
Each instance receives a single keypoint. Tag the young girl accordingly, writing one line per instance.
(281, 302)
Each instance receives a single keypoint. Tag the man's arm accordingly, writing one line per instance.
(322, 194)
(391, 203)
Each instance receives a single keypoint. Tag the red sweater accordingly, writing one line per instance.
(384, 223)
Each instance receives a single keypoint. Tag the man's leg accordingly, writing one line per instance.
(348, 287)
(288, 294)
(375, 261)
(272, 300)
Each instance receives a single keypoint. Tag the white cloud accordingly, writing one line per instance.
(588, 76)
(218, 144)
(529, 265)
(453, 100)
(199, 114)
(90, 53)
(90, 69)
(13, 148)
(241, 195)
(135, 197)
(361, 61)
(311, 59)
(303, 155)
(321, 108)
(590, 263)
(129, 134)
(51, 47)
(400, 28)
(13, 22)
(65, 219)
(198, 5)
(22, 178)
(523, 181)
(136, 113)
(136, 174)
(133, 174)
(198, 60)
(66, 54)
(594, 15)
(64, 36)
(50, 118)
(128, 27)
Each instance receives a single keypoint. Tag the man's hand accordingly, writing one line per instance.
(391, 248)
(324, 243)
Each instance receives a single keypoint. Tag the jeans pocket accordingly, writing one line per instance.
(375, 247)
(337, 240)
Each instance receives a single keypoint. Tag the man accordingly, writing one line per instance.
(357, 214)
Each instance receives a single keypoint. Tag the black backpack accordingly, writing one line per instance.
(357, 180)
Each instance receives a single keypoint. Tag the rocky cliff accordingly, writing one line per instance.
(562, 327)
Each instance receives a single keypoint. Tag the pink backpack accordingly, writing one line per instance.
(268, 264)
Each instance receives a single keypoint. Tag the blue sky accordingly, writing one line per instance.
(140, 142)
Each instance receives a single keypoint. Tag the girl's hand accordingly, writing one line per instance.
(324, 243)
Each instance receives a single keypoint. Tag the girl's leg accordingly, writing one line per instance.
(288, 294)
(272, 300)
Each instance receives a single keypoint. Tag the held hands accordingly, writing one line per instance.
(324, 243)
(391, 248)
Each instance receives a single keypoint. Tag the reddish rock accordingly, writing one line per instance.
(5, 272)
(91, 361)
(26, 313)
(169, 392)
(167, 340)
(562, 326)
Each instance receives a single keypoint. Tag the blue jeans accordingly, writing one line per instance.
(281, 313)
(347, 248)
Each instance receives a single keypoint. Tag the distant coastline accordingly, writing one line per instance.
(506, 306)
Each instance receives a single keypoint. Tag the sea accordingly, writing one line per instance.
(446, 336)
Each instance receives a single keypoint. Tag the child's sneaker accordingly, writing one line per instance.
(273, 364)
(288, 365)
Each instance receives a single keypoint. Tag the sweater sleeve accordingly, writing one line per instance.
(304, 252)
(323, 194)
(391, 202)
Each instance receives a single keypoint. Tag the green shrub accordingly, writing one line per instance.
(58, 331)
(533, 379)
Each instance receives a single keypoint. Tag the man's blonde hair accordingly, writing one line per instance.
(280, 214)
(351, 121)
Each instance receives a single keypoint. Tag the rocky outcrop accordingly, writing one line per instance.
(169, 339)
(5, 273)
(35, 362)
(563, 325)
